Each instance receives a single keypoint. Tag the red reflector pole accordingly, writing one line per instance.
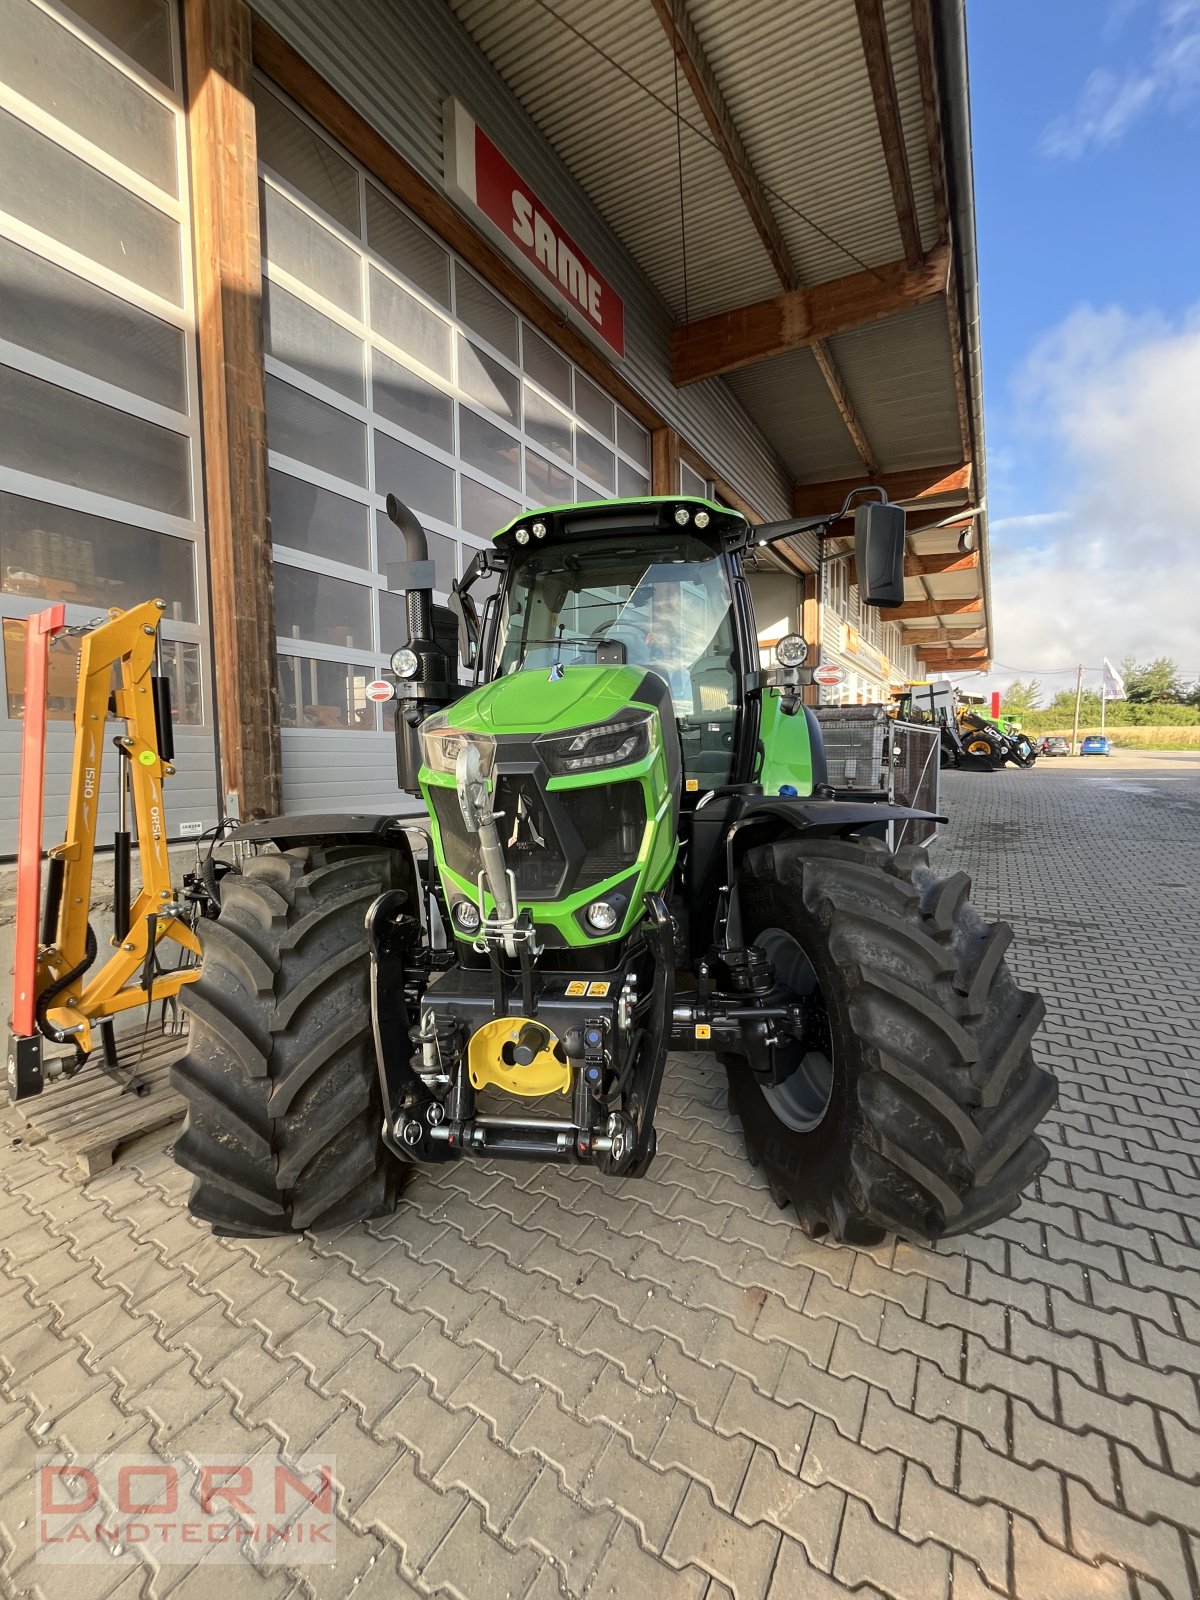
(995, 702)
(40, 629)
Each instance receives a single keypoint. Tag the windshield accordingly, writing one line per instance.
(666, 600)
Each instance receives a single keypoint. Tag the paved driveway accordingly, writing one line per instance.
(537, 1384)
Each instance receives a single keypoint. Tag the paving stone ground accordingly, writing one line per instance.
(538, 1384)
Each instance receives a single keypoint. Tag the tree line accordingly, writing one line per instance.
(1155, 694)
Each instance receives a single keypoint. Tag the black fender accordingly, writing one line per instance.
(832, 818)
(330, 827)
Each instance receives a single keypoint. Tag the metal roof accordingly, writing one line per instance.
(794, 78)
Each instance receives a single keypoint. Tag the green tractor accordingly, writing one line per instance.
(630, 848)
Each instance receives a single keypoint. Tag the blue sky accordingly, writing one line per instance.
(1087, 169)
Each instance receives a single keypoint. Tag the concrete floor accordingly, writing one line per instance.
(533, 1383)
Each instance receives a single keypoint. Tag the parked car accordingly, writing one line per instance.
(1056, 745)
(1096, 744)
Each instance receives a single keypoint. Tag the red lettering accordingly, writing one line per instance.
(47, 1477)
(170, 1479)
(242, 1479)
(321, 1498)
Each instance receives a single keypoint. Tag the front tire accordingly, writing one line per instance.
(932, 1094)
(284, 1107)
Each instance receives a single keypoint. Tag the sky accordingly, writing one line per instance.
(1086, 117)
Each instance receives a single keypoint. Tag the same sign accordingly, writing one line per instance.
(484, 180)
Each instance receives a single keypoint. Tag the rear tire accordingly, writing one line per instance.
(284, 1107)
(929, 1128)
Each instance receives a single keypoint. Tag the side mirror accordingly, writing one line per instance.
(467, 615)
(879, 552)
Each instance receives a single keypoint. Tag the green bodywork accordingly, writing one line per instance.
(787, 748)
(525, 705)
(529, 704)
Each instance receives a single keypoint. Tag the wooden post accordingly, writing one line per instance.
(664, 461)
(221, 136)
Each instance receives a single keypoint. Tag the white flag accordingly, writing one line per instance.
(1114, 683)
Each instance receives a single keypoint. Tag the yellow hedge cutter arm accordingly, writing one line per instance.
(53, 995)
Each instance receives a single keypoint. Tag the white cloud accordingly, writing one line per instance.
(1116, 570)
(1111, 102)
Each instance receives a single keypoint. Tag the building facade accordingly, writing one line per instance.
(243, 297)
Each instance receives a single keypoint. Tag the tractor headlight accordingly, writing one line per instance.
(602, 916)
(702, 519)
(791, 651)
(442, 744)
(616, 743)
(466, 916)
(682, 516)
(405, 663)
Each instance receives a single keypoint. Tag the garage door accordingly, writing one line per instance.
(390, 367)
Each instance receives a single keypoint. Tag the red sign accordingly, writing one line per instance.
(482, 176)
(380, 689)
(828, 676)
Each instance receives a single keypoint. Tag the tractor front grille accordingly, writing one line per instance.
(554, 841)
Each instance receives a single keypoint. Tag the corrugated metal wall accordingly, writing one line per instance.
(396, 65)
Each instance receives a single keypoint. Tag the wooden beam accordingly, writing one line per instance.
(828, 368)
(737, 338)
(873, 30)
(306, 86)
(707, 93)
(664, 461)
(952, 483)
(922, 638)
(930, 566)
(929, 608)
(224, 161)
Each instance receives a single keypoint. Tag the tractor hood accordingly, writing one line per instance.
(536, 701)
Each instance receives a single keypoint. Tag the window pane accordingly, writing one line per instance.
(53, 191)
(484, 510)
(181, 666)
(594, 459)
(302, 158)
(41, 59)
(390, 543)
(50, 553)
(397, 238)
(547, 484)
(595, 408)
(308, 605)
(318, 521)
(45, 308)
(312, 432)
(55, 434)
(410, 402)
(633, 439)
(423, 484)
(483, 446)
(141, 28)
(402, 320)
(485, 381)
(308, 252)
(630, 483)
(321, 349)
(486, 313)
(545, 366)
(691, 482)
(547, 425)
(325, 694)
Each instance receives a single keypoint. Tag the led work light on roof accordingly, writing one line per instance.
(682, 515)
(539, 530)
(522, 535)
(791, 651)
(405, 663)
(702, 519)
